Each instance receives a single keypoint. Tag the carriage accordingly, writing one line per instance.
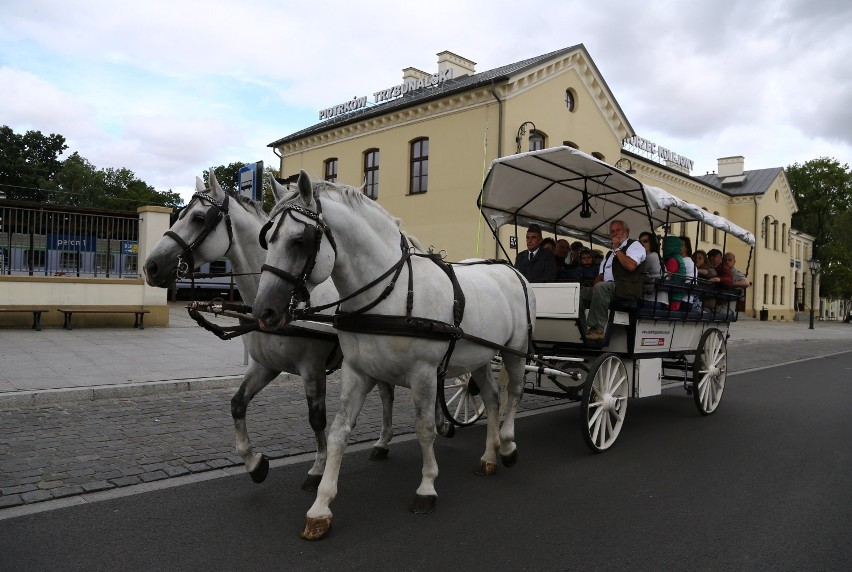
(575, 196)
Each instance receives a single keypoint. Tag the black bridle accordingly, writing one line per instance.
(214, 215)
(311, 244)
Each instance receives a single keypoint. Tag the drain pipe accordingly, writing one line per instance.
(756, 249)
(499, 148)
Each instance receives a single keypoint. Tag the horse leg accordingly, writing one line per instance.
(354, 390)
(313, 380)
(491, 398)
(256, 378)
(380, 449)
(424, 391)
(513, 368)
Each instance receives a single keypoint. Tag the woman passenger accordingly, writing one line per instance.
(653, 272)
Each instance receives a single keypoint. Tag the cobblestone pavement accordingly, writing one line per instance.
(55, 450)
(62, 449)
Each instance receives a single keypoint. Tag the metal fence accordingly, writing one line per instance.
(43, 241)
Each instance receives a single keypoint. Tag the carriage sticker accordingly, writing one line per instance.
(656, 337)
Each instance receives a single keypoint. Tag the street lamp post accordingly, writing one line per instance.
(813, 264)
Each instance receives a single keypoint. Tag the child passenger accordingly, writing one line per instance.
(586, 271)
(676, 269)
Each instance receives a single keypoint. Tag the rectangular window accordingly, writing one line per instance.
(419, 166)
(371, 173)
(782, 290)
(774, 285)
(330, 170)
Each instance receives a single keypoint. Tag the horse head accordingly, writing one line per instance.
(298, 258)
(201, 234)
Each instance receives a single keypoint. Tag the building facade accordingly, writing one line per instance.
(422, 148)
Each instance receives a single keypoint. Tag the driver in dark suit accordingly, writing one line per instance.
(535, 263)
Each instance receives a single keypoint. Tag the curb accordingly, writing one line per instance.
(44, 396)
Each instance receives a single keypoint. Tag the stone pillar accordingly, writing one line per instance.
(153, 222)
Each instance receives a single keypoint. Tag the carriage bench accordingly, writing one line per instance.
(139, 323)
(37, 312)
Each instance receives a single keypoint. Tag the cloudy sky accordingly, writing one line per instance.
(168, 89)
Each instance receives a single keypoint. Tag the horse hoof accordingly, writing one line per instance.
(449, 432)
(510, 459)
(423, 504)
(259, 473)
(379, 454)
(311, 482)
(486, 468)
(316, 528)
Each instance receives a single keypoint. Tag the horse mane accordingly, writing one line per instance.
(251, 205)
(352, 197)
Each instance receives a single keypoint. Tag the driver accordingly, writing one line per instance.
(621, 276)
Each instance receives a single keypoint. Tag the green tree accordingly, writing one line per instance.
(822, 188)
(28, 162)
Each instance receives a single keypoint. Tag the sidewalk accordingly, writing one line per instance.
(89, 363)
(60, 365)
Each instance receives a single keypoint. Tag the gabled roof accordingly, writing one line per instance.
(755, 182)
(449, 87)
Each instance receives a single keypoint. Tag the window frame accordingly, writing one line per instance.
(327, 171)
(371, 173)
(418, 161)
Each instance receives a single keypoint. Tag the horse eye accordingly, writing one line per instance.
(198, 217)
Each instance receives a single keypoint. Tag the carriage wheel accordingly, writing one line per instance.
(604, 402)
(461, 401)
(709, 371)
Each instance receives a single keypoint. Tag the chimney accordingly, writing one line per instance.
(409, 74)
(458, 65)
(731, 166)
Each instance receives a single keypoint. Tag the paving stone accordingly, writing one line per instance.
(154, 476)
(95, 486)
(126, 481)
(7, 501)
(17, 489)
(63, 492)
(36, 496)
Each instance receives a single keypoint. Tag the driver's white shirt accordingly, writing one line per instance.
(635, 251)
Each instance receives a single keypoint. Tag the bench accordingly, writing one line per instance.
(37, 312)
(139, 323)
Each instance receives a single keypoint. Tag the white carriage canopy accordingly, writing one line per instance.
(571, 193)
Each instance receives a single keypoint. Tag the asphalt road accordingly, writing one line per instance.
(761, 485)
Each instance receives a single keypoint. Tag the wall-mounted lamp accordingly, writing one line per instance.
(620, 164)
(522, 131)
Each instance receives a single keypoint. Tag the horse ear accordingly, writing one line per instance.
(199, 185)
(305, 187)
(216, 190)
(278, 190)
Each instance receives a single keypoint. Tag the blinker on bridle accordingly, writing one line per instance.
(214, 215)
(312, 242)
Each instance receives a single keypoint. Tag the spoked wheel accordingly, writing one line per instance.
(709, 371)
(461, 401)
(604, 402)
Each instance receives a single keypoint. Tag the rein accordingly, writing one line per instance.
(214, 215)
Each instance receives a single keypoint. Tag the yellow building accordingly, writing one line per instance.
(422, 148)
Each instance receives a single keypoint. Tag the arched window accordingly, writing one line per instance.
(598, 156)
(419, 166)
(330, 170)
(371, 173)
(570, 144)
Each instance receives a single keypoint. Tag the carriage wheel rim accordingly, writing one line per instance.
(459, 405)
(712, 372)
(607, 403)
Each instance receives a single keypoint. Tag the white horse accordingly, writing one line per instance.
(216, 224)
(362, 254)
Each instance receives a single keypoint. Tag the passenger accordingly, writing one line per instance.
(739, 279)
(726, 279)
(651, 298)
(703, 268)
(560, 253)
(548, 243)
(693, 302)
(597, 257)
(620, 276)
(535, 263)
(675, 269)
(576, 247)
(586, 272)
